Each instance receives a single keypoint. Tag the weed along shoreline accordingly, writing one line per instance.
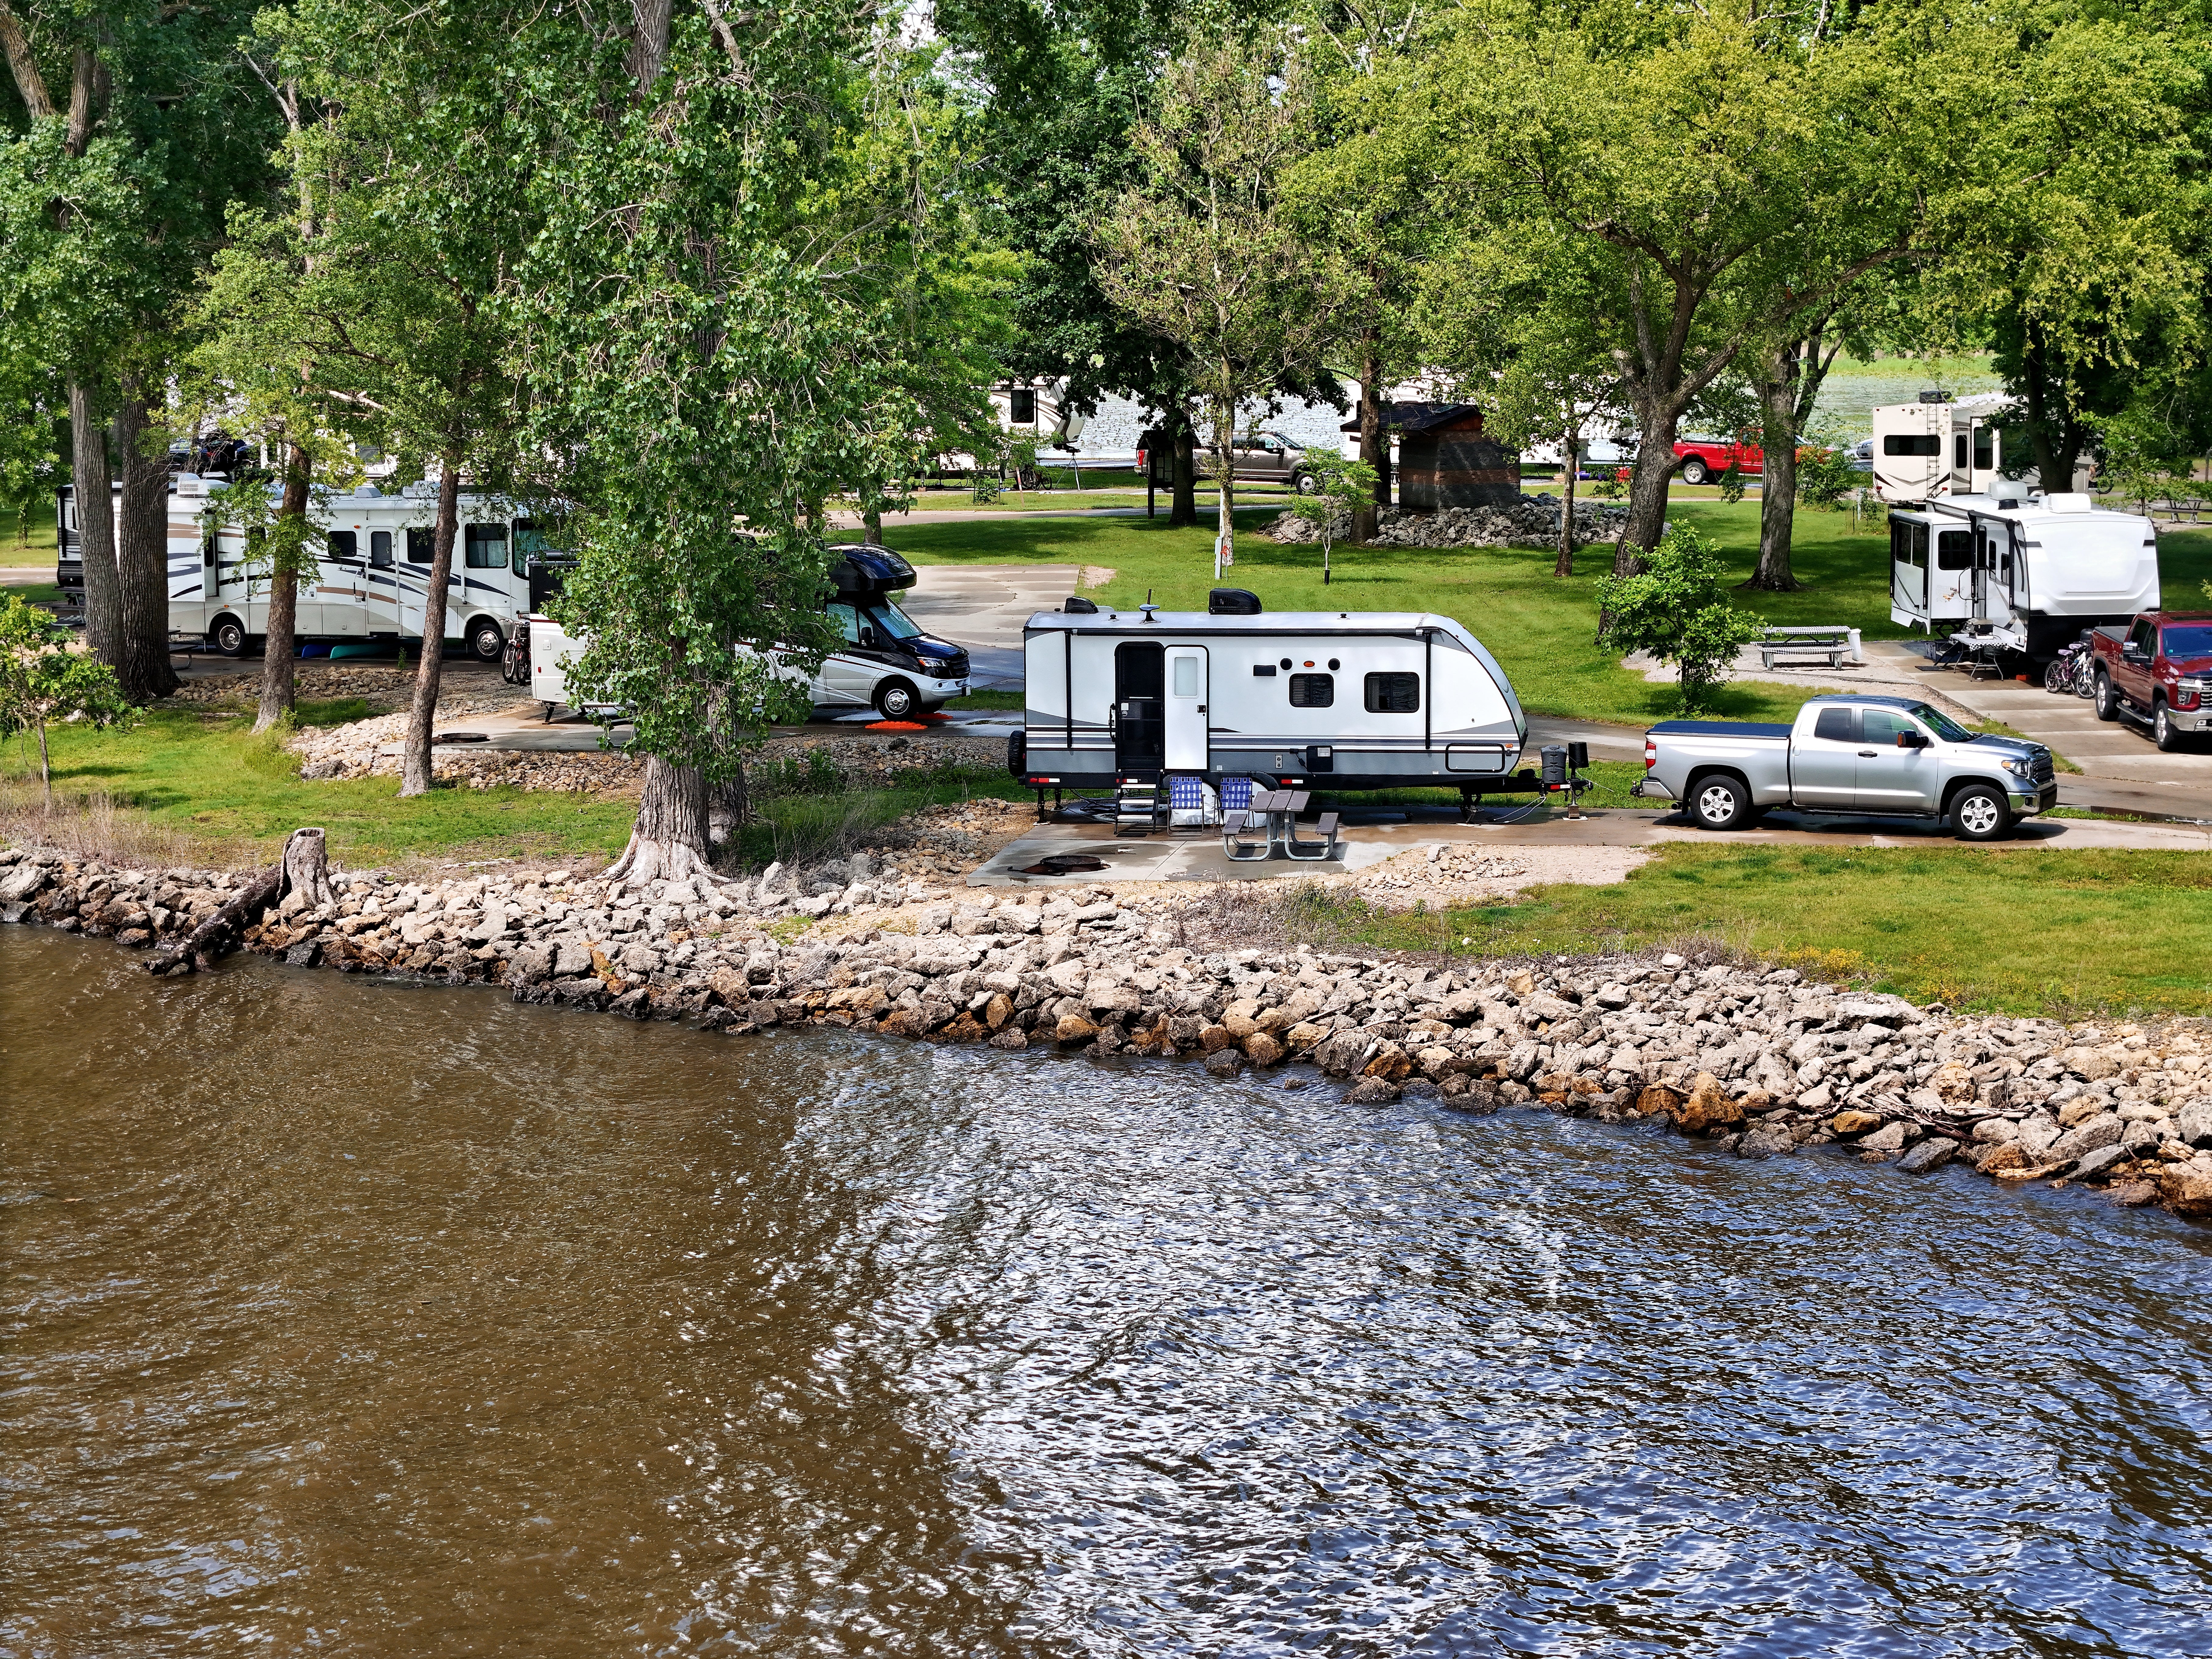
(1752, 1061)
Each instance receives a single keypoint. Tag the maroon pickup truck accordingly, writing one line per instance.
(2157, 669)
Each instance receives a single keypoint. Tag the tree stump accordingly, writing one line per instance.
(302, 869)
(305, 867)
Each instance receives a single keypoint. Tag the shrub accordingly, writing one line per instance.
(1675, 610)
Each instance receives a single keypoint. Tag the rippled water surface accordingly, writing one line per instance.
(353, 1319)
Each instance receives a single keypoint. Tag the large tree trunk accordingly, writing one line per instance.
(729, 809)
(1658, 421)
(93, 489)
(280, 645)
(141, 553)
(1182, 506)
(1374, 447)
(1564, 564)
(414, 774)
(2054, 438)
(1775, 379)
(670, 837)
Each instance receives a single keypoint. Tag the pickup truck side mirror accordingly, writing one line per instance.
(2132, 651)
(1913, 740)
(868, 638)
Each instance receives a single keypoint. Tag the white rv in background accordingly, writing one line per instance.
(1934, 448)
(370, 573)
(2014, 576)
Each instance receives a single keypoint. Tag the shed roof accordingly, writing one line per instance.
(1421, 418)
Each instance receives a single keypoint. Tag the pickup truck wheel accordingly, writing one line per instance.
(1980, 812)
(1305, 483)
(1695, 471)
(1718, 801)
(2163, 731)
(2108, 700)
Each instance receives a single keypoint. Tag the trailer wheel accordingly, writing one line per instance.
(897, 700)
(1695, 471)
(487, 640)
(1720, 800)
(1980, 812)
(228, 636)
(2108, 700)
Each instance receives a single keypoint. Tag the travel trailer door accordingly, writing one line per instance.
(1186, 746)
(1138, 717)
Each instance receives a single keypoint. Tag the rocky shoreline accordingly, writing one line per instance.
(1532, 522)
(1755, 1060)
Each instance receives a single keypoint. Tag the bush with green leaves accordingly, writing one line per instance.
(1675, 610)
(1341, 485)
(42, 679)
(1824, 477)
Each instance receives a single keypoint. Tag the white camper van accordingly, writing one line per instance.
(1935, 447)
(2014, 574)
(1339, 700)
(368, 584)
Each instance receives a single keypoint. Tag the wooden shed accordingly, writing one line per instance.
(1446, 460)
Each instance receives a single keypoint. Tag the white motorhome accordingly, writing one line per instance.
(1339, 700)
(369, 584)
(1935, 447)
(2010, 572)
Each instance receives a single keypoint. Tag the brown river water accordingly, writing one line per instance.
(351, 1318)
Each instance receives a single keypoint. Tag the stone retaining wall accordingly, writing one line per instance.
(1756, 1060)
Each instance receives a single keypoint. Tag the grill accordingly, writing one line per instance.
(2043, 770)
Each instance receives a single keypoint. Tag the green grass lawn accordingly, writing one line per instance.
(187, 787)
(2017, 931)
(30, 541)
(1539, 626)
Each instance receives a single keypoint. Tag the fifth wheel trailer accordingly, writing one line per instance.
(1339, 700)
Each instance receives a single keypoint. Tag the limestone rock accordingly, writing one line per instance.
(2086, 1138)
(1224, 1062)
(1371, 1091)
(2192, 1124)
(1073, 1028)
(1885, 1142)
(1930, 1153)
(1707, 1108)
(1262, 1049)
(2186, 1189)
(1854, 1122)
(2095, 1163)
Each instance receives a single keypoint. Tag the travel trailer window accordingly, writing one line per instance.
(486, 547)
(1315, 690)
(379, 550)
(1959, 452)
(1984, 447)
(421, 543)
(1954, 550)
(1186, 678)
(1021, 408)
(1916, 554)
(1912, 443)
(1394, 694)
(344, 545)
(531, 542)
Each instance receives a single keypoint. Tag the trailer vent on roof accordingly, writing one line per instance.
(1231, 602)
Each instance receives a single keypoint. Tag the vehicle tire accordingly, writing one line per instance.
(228, 636)
(897, 700)
(2163, 731)
(1720, 800)
(1980, 812)
(1305, 483)
(2108, 700)
(1695, 471)
(487, 640)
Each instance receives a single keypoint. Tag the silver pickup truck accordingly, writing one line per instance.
(1858, 755)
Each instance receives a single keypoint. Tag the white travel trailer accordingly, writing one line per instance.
(1935, 447)
(1338, 700)
(2014, 574)
(369, 582)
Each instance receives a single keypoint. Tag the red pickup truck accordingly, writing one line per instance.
(2157, 669)
(1705, 459)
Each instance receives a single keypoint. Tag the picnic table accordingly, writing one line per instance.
(1830, 642)
(1273, 816)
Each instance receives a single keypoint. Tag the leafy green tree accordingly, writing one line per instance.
(1066, 84)
(377, 283)
(1343, 488)
(1675, 610)
(1205, 254)
(1714, 162)
(130, 130)
(704, 363)
(44, 679)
